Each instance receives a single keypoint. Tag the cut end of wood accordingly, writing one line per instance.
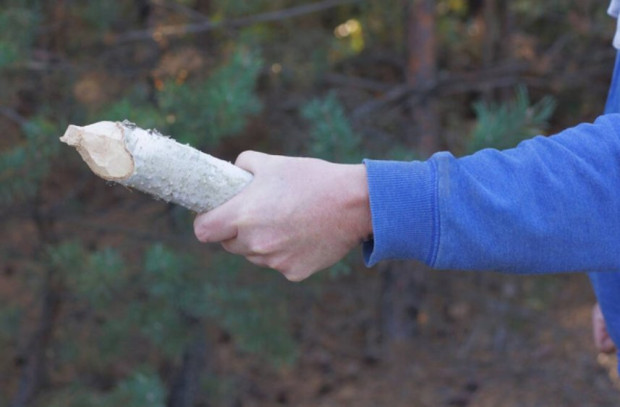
(102, 147)
(155, 164)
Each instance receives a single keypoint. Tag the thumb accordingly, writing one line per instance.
(250, 160)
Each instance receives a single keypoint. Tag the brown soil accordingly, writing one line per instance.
(498, 341)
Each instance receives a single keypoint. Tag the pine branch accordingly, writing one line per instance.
(12, 115)
(355, 82)
(272, 16)
(501, 76)
(181, 9)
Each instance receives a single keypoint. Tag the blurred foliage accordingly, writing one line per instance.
(205, 113)
(18, 30)
(504, 125)
(199, 112)
(10, 316)
(100, 14)
(332, 137)
(142, 388)
(130, 307)
(94, 277)
(175, 291)
(24, 166)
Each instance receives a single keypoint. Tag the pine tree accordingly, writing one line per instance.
(504, 125)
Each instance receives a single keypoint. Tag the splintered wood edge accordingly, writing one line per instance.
(102, 146)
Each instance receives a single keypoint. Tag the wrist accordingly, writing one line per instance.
(357, 203)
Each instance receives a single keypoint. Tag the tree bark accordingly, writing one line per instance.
(151, 163)
(402, 294)
(403, 282)
(496, 41)
(33, 357)
(421, 71)
(186, 385)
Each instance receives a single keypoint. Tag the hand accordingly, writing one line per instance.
(602, 340)
(297, 216)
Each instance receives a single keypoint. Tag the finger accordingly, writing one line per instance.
(237, 246)
(249, 160)
(597, 325)
(216, 225)
(602, 340)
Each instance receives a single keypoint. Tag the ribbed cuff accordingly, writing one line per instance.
(403, 209)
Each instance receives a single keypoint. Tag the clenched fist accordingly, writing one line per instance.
(297, 216)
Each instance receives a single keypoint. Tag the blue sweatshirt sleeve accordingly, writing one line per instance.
(552, 204)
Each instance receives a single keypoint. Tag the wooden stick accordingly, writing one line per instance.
(155, 164)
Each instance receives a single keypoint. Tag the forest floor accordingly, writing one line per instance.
(495, 340)
(484, 340)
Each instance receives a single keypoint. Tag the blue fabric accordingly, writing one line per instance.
(607, 284)
(550, 205)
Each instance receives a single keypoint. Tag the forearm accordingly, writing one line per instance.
(549, 205)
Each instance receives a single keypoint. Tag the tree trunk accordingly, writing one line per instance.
(186, 385)
(403, 282)
(402, 292)
(422, 70)
(495, 45)
(32, 358)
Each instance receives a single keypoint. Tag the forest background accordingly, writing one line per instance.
(106, 298)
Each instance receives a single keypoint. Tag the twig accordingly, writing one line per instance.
(446, 85)
(355, 82)
(184, 29)
(12, 115)
(180, 8)
(397, 93)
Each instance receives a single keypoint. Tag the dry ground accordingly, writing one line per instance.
(496, 341)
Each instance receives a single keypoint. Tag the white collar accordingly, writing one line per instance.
(614, 11)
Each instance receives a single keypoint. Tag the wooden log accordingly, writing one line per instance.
(158, 165)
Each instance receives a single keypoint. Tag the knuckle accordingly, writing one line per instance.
(294, 278)
(261, 248)
(263, 245)
(245, 217)
(201, 233)
(201, 229)
(292, 273)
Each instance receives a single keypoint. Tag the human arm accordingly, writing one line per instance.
(550, 205)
